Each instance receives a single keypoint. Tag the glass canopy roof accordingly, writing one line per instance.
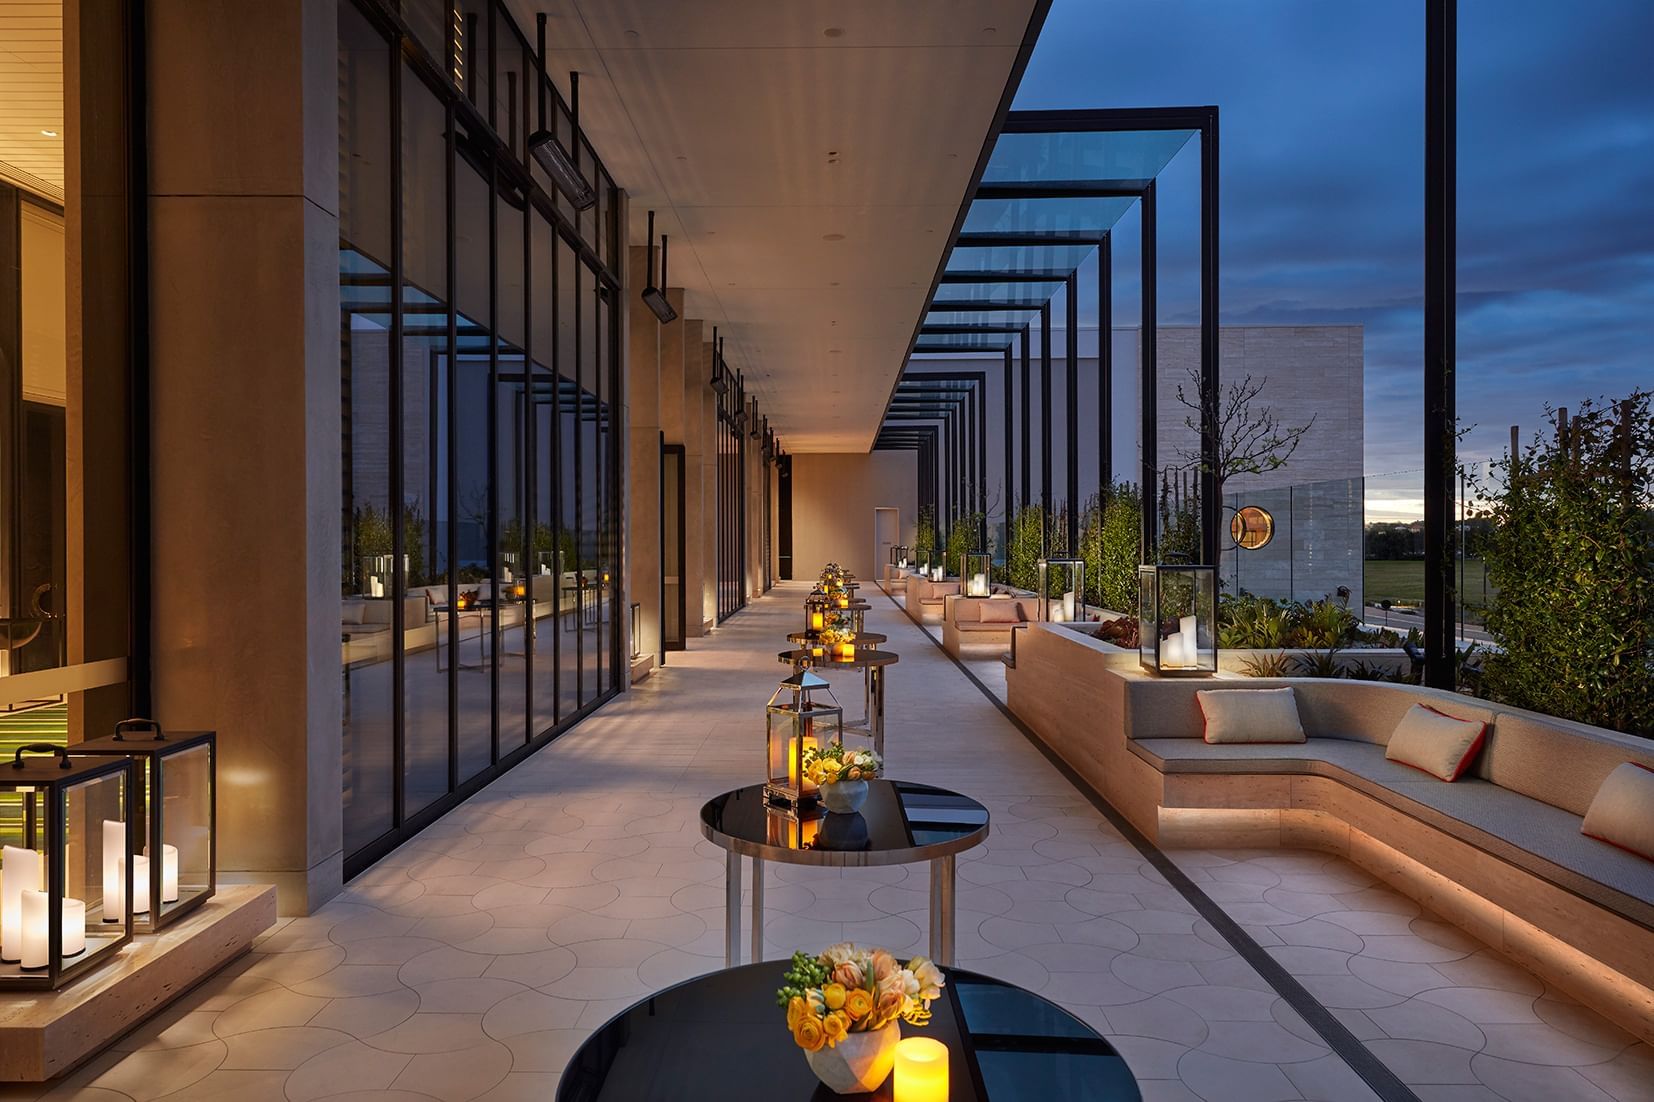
(1083, 155)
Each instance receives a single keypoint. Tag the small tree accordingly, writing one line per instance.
(1570, 558)
(924, 536)
(1250, 436)
(1122, 532)
(1025, 547)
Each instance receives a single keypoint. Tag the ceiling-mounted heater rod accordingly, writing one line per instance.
(655, 297)
(544, 146)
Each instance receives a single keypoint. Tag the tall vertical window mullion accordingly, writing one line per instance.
(394, 443)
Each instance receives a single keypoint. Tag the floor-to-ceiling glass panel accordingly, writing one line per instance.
(512, 453)
(366, 580)
(672, 546)
(590, 499)
(544, 564)
(608, 559)
(568, 452)
(473, 650)
(423, 425)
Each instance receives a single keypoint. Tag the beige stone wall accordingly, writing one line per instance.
(833, 501)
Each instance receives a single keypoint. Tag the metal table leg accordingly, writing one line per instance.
(732, 909)
(875, 713)
(941, 910)
(757, 909)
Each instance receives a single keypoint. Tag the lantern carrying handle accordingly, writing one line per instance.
(138, 723)
(62, 753)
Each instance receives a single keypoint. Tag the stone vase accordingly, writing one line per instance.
(858, 1064)
(844, 797)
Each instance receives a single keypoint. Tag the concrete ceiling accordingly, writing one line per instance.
(31, 96)
(807, 157)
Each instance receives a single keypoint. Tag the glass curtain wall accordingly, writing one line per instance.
(478, 368)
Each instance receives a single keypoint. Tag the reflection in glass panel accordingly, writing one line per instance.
(590, 503)
(568, 432)
(366, 581)
(423, 424)
(511, 424)
(474, 628)
(543, 562)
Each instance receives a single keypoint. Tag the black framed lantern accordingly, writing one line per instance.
(978, 567)
(1067, 578)
(898, 555)
(1177, 619)
(66, 866)
(174, 817)
(796, 723)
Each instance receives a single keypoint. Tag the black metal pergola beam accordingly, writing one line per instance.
(978, 305)
(1062, 189)
(1440, 324)
(1040, 275)
(990, 240)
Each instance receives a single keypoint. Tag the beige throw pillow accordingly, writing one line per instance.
(1250, 715)
(1435, 743)
(1002, 612)
(1622, 811)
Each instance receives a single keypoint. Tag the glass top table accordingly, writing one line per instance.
(863, 638)
(721, 1038)
(901, 823)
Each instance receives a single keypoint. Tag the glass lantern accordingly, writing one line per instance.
(1177, 619)
(796, 723)
(978, 567)
(66, 868)
(898, 555)
(816, 608)
(174, 813)
(1067, 578)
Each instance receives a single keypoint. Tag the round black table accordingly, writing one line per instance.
(722, 1038)
(900, 824)
(870, 662)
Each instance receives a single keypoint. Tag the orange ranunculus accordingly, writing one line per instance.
(836, 1025)
(889, 1005)
(809, 1033)
(849, 974)
(858, 1003)
(796, 1009)
(833, 995)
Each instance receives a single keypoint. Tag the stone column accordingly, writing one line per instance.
(695, 563)
(244, 290)
(643, 428)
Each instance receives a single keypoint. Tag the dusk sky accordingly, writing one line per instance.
(1322, 189)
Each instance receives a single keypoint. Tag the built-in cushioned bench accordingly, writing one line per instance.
(924, 597)
(1499, 851)
(967, 621)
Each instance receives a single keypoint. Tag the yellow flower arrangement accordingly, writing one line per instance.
(822, 1009)
(833, 763)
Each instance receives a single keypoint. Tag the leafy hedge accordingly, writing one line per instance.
(1571, 560)
(924, 536)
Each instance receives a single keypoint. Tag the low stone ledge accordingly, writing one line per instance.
(47, 1033)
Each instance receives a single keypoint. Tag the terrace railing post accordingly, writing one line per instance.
(1211, 506)
(1149, 465)
(1105, 365)
(1440, 126)
(1071, 402)
(1006, 484)
(1045, 425)
(1027, 452)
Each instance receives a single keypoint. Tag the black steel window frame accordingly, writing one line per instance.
(502, 159)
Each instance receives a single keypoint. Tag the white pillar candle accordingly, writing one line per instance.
(140, 885)
(114, 869)
(22, 873)
(74, 927)
(34, 913)
(169, 874)
(1068, 605)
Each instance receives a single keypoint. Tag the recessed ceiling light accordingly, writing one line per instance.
(990, 30)
(832, 283)
(832, 237)
(834, 32)
(49, 133)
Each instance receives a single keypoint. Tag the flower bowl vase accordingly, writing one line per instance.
(844, 797)
(858, 1064)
